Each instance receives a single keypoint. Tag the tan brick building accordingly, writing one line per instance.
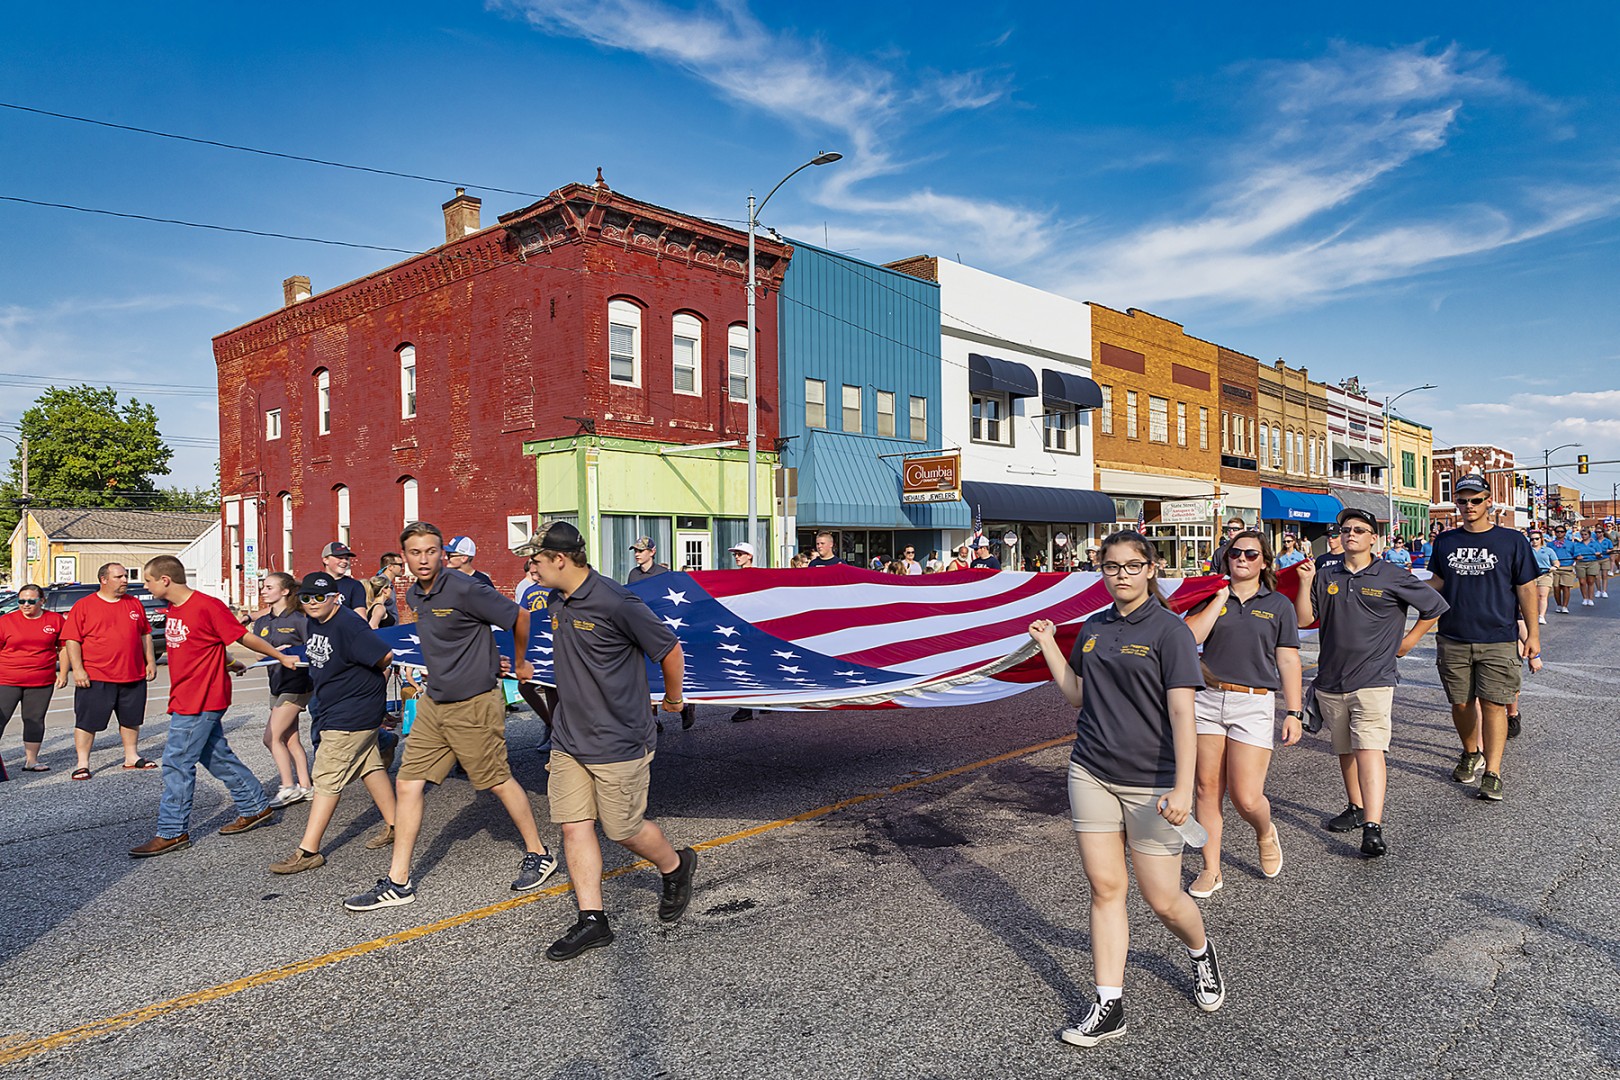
(1292, 448)
(1239, 426)
(1156, 438)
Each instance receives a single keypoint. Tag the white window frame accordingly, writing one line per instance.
(1445, 486)
(410, 494)
(815, 398)
(1276, 447)
(888, 397)
(286, 533)
(1107, 409)
(1226, 432)
(1203, 427)
(342, 493)
(851, 392)
(323, 402)
(1265, 444)
(623, 313)
(1181, 424)
(979, 424)
(1132, 426)
(1158, 419)
(407, 382)
(1060, 430)
(737, 363)
(1299, 452)
(686, 331)
(919, 419)
(272, 425)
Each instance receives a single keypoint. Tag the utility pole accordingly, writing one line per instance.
(24, 445)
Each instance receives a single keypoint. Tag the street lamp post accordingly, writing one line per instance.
(1389, 470)
(825, 158)
(1546, 478)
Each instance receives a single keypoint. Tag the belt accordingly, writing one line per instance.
(1234, 688)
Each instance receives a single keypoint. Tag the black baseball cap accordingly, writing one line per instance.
(561, 536)
(1471, 482)
(319, 583)
(1356, 513)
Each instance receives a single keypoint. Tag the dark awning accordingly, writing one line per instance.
(1019, 502)
(986, 373)
(1283, 505)
(1068, 388)
(1374, 503)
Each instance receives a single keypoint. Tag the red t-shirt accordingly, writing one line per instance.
(111, 635)
(28, 649)
(196, 633)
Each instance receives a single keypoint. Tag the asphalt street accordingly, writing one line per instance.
(934, 926)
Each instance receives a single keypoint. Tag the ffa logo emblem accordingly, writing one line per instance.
(554, 623)
(1222, 611)
(265, 632)
(1333, 590)
(1091, 643)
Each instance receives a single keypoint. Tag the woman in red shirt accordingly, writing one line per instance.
(32, 667)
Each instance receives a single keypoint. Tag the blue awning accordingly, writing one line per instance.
(1071, 389)
(1278, 505)
(844, 483)
(1019, 502)
(986, 373)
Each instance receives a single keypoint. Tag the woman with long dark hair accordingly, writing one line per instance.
(1250, 636)
(285, 624)
(1132, 675)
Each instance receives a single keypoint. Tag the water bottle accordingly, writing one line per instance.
(1193, 833)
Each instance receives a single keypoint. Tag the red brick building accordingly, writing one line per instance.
(409, 393)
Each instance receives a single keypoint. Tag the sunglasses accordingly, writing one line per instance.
(29, 602)
(1474, 501)
(1347, 531)
(1246, 554)
(305, 598)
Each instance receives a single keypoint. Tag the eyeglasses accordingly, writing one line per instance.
(1348, 531)
(1234, 528)
(305, 598)
(1246, 554)
(29, 602)
(1131, 569)
(1475, 501)
(1536, 536)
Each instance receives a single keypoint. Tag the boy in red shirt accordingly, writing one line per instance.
(197, 631)
(109, 647)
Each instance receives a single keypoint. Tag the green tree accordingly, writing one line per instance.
(86, 448)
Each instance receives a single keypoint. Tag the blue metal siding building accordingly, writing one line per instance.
(844, 322)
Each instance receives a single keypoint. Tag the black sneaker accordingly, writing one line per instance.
(1102, 1022)
(590, 932)
(386, 893)
(742, 716)
(1349, 818)
(1490, 787)
(1209, 989)
(534, 871)
(678, 887)
(1372, 840)
(1513, 725)
(1469, 762)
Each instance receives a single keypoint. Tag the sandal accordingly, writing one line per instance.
(39, 766)
(81, 774)
(142, 763)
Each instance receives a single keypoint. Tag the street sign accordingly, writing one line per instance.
(937, 478)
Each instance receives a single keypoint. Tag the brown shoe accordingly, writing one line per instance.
(160, 845)
(298, 862)
(1206, 884)
(384, 837)
(243, 824)
(1271, 854)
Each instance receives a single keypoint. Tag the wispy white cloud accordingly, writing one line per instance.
(1529, 423)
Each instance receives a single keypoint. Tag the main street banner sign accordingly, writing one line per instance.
(931, 479)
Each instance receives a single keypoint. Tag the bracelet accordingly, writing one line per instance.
(676, 701)
(1533, 656)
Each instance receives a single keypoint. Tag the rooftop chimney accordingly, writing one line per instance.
(294, 290)
(461, 215)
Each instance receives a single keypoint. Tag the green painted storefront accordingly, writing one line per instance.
(1412, 518)
(693, 503)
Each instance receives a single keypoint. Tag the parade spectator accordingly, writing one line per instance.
(961, 559)
(382, 607)
(1362, 603)
(1546, 564)
(198, 629)
(1089, 563)
(33, 666)
(908, 560)
(599, 772)
(462, 717)
(800, 561)
(645, 552)
(1250, 635)
(526, 584)
(459, 554)
(982, 559)
(1132, 674)
(338, 559)
(934, 564)
(348, 661)
(1290, 555)
(110, 652)
(1487, 574)
(1398, 554)
(824, 555)
(285, 626)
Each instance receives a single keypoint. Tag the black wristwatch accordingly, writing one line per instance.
(1296, 714)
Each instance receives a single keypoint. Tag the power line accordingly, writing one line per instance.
(120, 382)
(264, 153)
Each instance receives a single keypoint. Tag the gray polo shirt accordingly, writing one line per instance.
(638, 574)
(1363, 620)
(1126, 663)
(602, 637)
(453, 618)
(1242, 646)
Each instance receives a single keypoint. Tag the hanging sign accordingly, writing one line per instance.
(931, 479)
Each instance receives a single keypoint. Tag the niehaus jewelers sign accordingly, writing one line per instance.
(931, 479)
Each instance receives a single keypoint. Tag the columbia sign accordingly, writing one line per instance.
(931, 479)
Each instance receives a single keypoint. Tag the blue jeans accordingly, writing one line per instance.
(200, 740)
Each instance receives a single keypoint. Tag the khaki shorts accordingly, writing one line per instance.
(1588, 569)
(1359, 720)
(1246, 718)
(1564, 577)
(1490, 672)
(472, 732)
(300, 700)
(343, 757)
(614, 794)
(1097, 806)
(1545, 581)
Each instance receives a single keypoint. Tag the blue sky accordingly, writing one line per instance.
(1407, 193)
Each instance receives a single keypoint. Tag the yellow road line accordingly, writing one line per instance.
(20, 1051)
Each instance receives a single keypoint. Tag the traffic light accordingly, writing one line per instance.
(1581, 466)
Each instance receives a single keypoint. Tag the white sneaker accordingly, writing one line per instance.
(286, 796)
(1542, 620)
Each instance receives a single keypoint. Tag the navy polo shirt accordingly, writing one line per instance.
(1127, 664)
(1242, 646)
(1363, 616)
(602, 637)
(289, 628)
(453, 617)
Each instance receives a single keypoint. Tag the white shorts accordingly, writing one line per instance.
(1250, 719)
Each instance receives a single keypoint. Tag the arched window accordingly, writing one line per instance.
(407, 381)
(737, 363)
(286, 532)
(688, 354)
(342, 494)
(407, 493)
(624, 342)
(1265, 443)
(323, 402)
(1299, 452)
